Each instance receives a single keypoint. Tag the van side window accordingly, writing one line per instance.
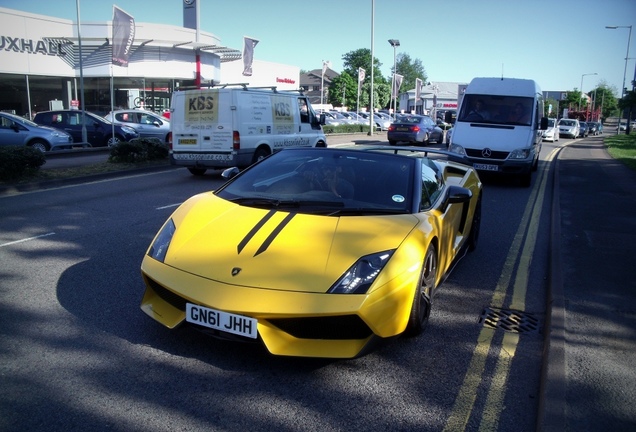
(304, 111)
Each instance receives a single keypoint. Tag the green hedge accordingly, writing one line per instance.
(346, 128)
(138, 150)
(19, 161)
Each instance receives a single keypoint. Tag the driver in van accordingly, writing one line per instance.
(519, 115)
(479, 109)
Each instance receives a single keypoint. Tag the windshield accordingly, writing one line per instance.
(326, 182)
(567, 123)
(511, 110)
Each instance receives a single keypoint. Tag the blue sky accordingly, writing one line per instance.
(554, 42)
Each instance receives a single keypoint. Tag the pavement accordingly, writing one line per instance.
(588, 379)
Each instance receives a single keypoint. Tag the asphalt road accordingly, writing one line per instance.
(76, 353)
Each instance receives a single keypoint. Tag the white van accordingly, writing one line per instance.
(236, 125)
(500, 125)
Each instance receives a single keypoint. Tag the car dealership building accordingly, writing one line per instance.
(45, 62)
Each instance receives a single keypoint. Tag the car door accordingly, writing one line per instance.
(149, 126)
(8, 134)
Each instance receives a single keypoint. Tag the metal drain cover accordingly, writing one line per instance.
(510, 320)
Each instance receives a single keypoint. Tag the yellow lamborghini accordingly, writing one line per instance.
(316, 252)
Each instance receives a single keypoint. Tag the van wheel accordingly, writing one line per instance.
(197, 171)
(260, 154)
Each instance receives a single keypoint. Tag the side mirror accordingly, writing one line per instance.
(230, 173)
(544, 123)
(323, 119)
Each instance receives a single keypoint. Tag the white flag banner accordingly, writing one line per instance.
(361, 74)
(248, 55)
(418, 90)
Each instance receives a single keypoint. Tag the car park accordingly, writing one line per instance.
(568, 128)
(99, 131)
(583, 129)
(415, 129)
(146, 123)
(315, 252)
(18, 131)
(552, 132)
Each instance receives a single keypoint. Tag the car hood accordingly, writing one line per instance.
(272, 249)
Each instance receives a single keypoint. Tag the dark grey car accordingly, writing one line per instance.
(18, 131)
(99, 131)
(415, 129)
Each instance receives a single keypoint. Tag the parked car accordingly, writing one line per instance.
(343, 119)
(552, 132)
(380, 122)
(568, 128)
(146, 123)
(583, 129)
(315, 252)
(415, 129)
(592, 128)
(358, 118)
(331, 119)
(99, 131)
(18, 131)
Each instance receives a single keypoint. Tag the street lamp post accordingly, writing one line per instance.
(629, 38)
(394, 43)
(582, 92)
(325, 65)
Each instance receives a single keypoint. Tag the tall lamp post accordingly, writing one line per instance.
(394, 43)
(629, 38)
(325, 65)
(582, 92)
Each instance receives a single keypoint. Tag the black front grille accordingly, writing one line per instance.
(495, 155)
(334, 327)
(167, 295)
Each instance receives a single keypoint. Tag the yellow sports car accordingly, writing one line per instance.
(316, 252)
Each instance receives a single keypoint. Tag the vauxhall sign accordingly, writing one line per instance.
(29, 46)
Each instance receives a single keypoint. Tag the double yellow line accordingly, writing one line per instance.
(521, 251)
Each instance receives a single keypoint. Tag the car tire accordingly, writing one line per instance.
(197, 171)
(39, 145)
(427, 139)
(392, 142)
(113, 141)
(475, 227)
(421, 307)
(259, 154)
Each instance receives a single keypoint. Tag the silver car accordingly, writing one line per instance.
(146, 123)
(18, 131)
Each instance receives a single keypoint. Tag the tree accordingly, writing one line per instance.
(350, 86)
(361, 58)
(410, 70)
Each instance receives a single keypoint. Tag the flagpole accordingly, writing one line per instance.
(112, 102)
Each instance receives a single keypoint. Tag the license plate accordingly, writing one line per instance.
(187, 141)
(486, 167)
(219, 320)
(402, 129)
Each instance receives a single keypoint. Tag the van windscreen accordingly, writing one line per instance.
(510, 110)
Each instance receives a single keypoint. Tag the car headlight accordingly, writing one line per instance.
(456, 148)
(161, 244)
(520, 154)
(361, 275)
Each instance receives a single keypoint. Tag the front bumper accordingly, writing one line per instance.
(289, 323)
